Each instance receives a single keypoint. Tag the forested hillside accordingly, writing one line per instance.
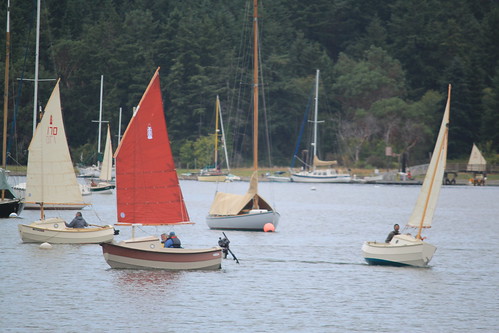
(385, 67)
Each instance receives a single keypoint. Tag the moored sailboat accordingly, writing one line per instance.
(9, 202)
(104, 186)
(405, 249)
(250, 211)
(51, 180)
(214, 173)
(148, 193)
(319, 171)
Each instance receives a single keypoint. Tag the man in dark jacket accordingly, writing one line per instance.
(78, 222)
(393, 233)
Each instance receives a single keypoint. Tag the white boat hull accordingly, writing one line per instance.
(320, 177)
(247, 222)
(149, 253)
(53, 230)
(403, 250)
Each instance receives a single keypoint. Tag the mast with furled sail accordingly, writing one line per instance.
(147, 186)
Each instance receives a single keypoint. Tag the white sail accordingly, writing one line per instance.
(50, 175)
(107, 161)
(476, 161)
(427, 200)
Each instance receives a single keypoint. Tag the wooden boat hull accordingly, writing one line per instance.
(9, 206)
(246, 222)
(212, 178)
(318, 177)
(53, 230)
(403, 250)
(149, 253)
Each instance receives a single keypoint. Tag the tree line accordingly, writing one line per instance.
(385, 67)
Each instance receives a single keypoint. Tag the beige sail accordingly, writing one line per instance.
(230, 204)
(107, 161)
(318, 162)
(476, 161)
(422, 214)
(50, 175)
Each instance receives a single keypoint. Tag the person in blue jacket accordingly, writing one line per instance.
(171, 241)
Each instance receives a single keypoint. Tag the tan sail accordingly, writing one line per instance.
(50, 174)
(477, 161)
(230, 204)
(318, 162)
(107, 161)
(422, 214)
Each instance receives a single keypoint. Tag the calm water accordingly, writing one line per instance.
(308, 276)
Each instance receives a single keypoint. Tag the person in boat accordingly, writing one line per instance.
(395, 231)
(171, 241)
(78, 222)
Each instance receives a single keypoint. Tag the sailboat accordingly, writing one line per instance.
(319, 174)
(9, 202)
(104, 186)
(405, 249)
(148, 193)
(249, 211)
(213, 173)
(51, 181)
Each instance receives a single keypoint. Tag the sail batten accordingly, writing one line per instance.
(50, 173)
(422, 214)
(148, 190)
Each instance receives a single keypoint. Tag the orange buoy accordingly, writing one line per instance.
(268, 227)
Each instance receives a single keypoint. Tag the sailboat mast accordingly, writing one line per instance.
(223, 136)
(316, 111)
(217, 109)
(6, 91)
(37, 54)
(255, 85)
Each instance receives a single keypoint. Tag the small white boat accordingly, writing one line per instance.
(149, 194)
(237, 212)
(51, 181)
(408, 250)
(54, 230)
(316, 170)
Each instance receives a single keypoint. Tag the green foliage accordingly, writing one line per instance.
(385, 67)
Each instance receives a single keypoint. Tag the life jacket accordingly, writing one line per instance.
(176, 241)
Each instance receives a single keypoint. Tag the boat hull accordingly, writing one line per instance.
(212, 178)
(316, 177)
(9, 206)
(53, 230)
(247, 222)
(102, 188)
(149, 253)
(403, 250)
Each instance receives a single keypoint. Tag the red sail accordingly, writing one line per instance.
(147, 187)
